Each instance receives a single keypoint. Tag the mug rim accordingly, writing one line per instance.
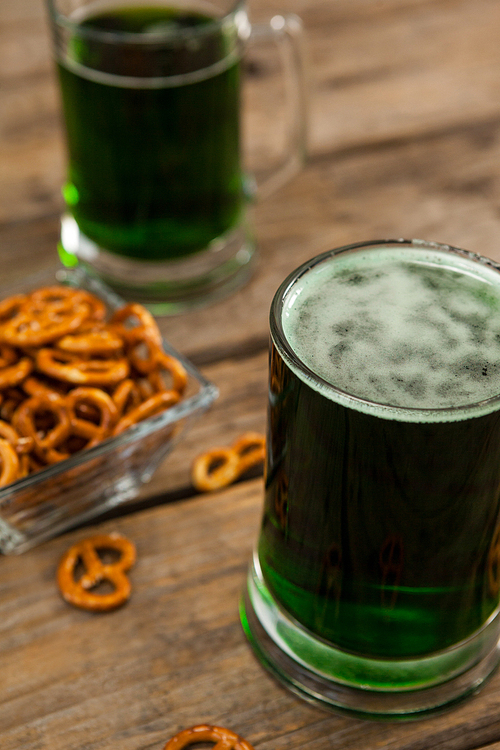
(140, 37)
(378, 409)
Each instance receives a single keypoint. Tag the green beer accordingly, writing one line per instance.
(380, 536)
(153, 131)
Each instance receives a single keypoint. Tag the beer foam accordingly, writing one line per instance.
(406, 328)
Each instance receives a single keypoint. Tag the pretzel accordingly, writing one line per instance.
(38, 326)
(174, 368)
(11, 306)
(105, 408)
(126, 396)
(251, 450)
(16, 373)
(79, 592)
(34, 386)
(150, 385)
(156, 358)
(220, 467)
(71, 369)
(8, 432)
(21, 444)
(149, 408)
(151, 349)
(146, 328)
(25, 420)
(58, 297)
(91, 343)
(224, 739)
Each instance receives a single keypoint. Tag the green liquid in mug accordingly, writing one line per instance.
(380, 529)
(154, 151)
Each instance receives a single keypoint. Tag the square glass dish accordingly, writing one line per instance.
(93, 480)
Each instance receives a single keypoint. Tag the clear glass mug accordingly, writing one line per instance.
(156, 192)
(375, 583)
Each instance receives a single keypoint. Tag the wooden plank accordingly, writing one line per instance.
(175, 655)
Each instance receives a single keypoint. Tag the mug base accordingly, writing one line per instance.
(166, 287)
(366, 687)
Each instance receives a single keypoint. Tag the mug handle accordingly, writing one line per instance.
(286, 32)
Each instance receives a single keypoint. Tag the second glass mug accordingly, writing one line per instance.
(156, 192)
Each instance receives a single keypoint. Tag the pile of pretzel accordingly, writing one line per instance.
(69, 378)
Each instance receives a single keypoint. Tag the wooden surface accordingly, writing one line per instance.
(404, 141)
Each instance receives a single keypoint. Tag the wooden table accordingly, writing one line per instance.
(404, 141)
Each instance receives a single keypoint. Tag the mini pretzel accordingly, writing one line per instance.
(154, 382)
(33, 386)
(251, 450)
(150, 385)
(10, 307)
(154, 405)
(146, 328)
(126, 396)
(24, 420)
(176, 370)
(9, 463)
(79, 592)
(157, 359)
(8, 432)
(224, 739)
(220, 467)
(143, 353)
(100, 342)
(20, 444)
(105, 408)
(71, 369)
(37, 327)
(16, 373)
(57, 297)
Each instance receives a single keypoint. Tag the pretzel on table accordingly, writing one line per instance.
(79, 592)
(224, 739)
(220, 467)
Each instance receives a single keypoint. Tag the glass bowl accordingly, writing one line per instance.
(94, 480)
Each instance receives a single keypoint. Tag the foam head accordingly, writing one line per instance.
(399, 326)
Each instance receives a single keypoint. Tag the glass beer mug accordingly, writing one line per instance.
(156, 191)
